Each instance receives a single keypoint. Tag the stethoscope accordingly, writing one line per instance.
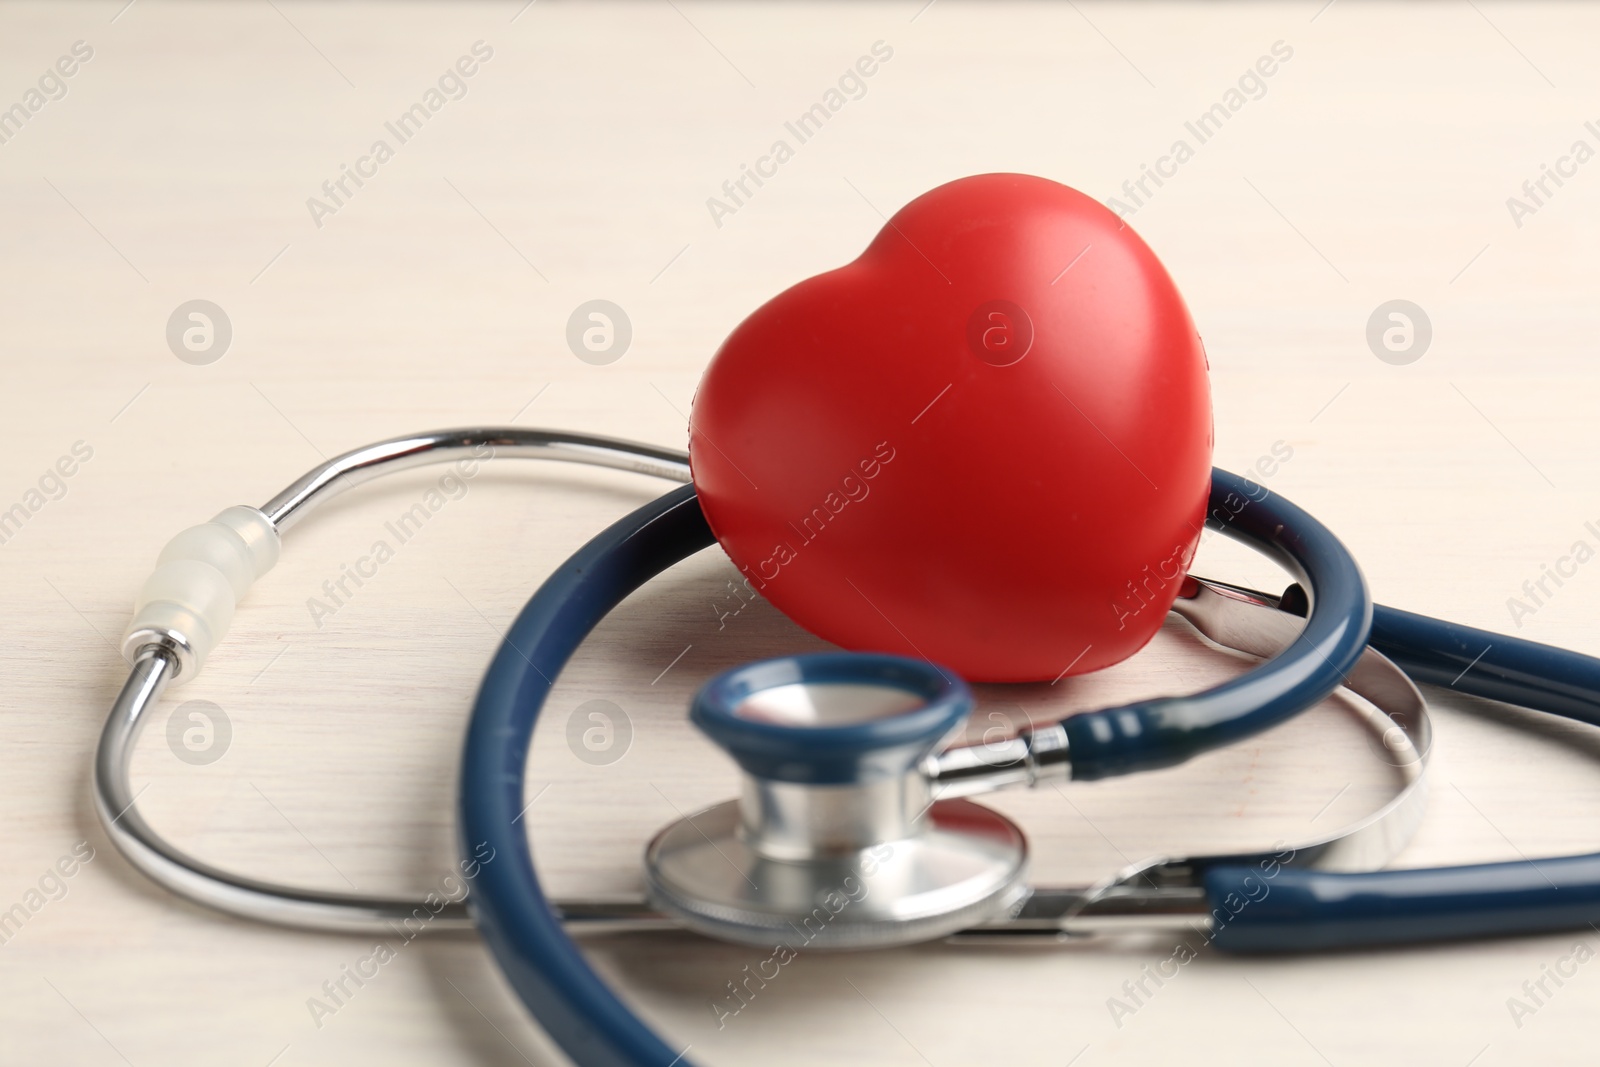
(853, 827)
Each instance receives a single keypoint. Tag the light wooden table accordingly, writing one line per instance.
(1375, 165)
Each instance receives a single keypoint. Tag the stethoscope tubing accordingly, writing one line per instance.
(523, 928)
(1314, 911)
(1490, 665)
(517, 920)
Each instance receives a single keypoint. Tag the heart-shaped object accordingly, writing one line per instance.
(986, 442)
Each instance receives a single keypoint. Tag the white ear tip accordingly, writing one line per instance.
(256, 531)
(201, 574)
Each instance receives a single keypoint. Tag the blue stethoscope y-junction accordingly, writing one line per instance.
(854, 827)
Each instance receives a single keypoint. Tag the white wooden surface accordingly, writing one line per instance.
(1376, 165)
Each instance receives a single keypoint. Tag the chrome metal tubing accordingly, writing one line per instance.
(1034, 755)
(1059, 914)
(200, 882)
(484, 442)
(157, 663)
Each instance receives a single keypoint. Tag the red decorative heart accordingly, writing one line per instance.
(986, 442)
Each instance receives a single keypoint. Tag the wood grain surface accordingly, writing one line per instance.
(176, 162)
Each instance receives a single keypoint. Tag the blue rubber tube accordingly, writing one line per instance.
(1310, 911)
(517, 920)
(1301, 911)
(1490, 665)
(1169, 730)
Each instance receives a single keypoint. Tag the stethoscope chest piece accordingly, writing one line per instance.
(836, 840)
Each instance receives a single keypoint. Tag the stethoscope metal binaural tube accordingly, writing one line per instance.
(440, 446)
(156, 664)
(196, 880)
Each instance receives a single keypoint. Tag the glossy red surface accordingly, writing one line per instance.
(986, 442)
